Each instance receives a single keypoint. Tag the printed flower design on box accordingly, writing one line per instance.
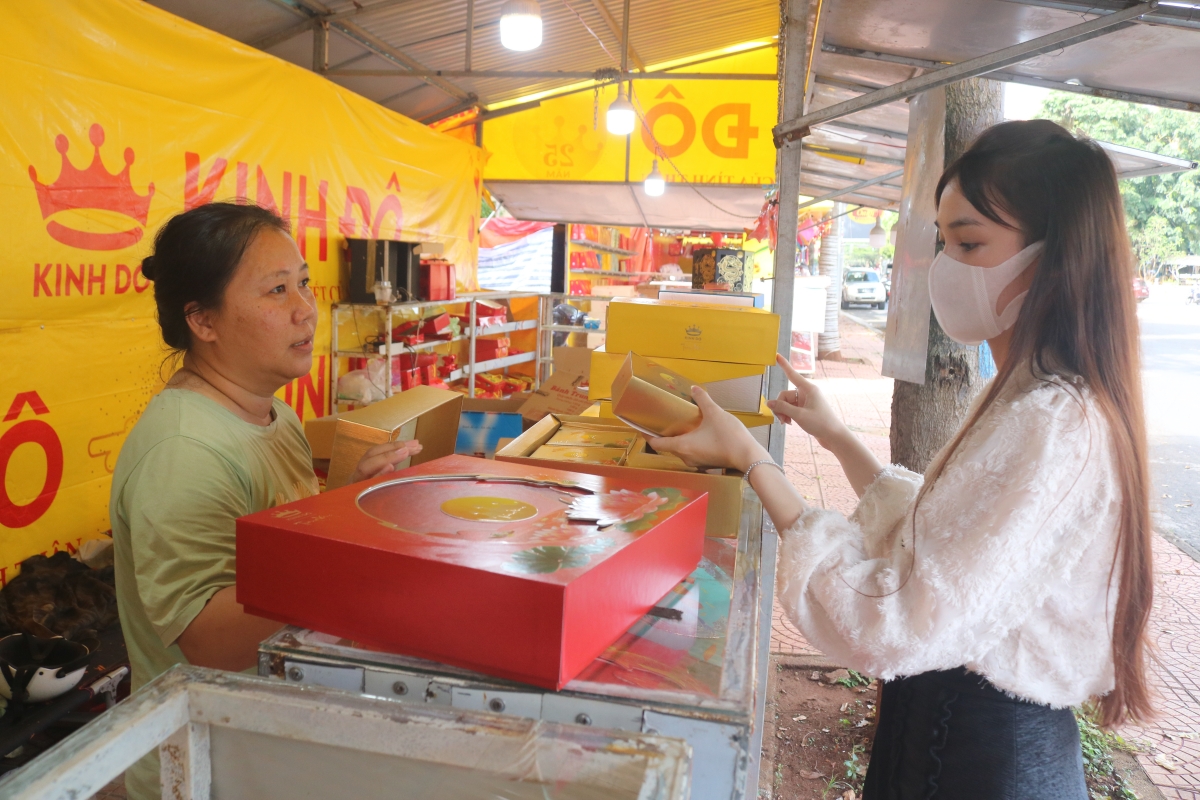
(551, 558)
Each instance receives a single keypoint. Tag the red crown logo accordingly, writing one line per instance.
(94, 187)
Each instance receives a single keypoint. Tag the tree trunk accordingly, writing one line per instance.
(829, 343)
(926, 416)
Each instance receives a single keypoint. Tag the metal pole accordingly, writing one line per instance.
(799, 29)
(799, 126)
(625, 39)
(852, 188)
(470, 33)
(551, 74)
(320, 46)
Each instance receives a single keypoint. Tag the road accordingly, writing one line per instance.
(868, 316)
(1171, 386)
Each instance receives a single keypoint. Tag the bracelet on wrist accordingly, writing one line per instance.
(760, 462)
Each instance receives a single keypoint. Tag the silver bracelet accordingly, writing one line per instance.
(759, 463)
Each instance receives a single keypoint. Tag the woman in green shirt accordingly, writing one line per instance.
(232, 294)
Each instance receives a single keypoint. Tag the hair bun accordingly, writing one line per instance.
(148, 267)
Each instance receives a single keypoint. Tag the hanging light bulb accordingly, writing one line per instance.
(620, 117)
(655, 183)
(878, 236)
(521, 25)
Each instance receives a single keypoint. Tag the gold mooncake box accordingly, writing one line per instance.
(581, 437)
(610, 456)
(653, 399)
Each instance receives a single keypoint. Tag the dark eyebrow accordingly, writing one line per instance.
(303, 267)
(959, 223)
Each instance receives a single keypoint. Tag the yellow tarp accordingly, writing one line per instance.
(716, 131)
(114, 116)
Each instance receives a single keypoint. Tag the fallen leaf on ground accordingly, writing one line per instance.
(862, 723)
(849, 795)
(1166, 762)
(799, 718)
(810, 776)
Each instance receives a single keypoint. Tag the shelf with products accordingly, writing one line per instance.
(361, 331)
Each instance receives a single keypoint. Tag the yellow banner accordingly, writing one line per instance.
(716, 131)
(123, 116)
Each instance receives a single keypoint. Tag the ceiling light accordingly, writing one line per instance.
(655, 184)
(620, 117)
(878, 236)
(521, 25)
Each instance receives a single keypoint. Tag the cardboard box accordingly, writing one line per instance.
(759, 423)
(558, 395)
(742, 299)
(423, 413)
(419, 568)
(653, 399)
(734, 387)
(319, 432)
(724, 491)
(483, 424)
(693, 330)
(573, 361)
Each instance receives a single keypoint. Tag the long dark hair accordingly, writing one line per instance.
(1079, 318)
(195, 256)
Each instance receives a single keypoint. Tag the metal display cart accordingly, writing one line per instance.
(692, 669)
(227, 735)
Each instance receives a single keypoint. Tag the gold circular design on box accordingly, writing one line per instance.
(489, 509)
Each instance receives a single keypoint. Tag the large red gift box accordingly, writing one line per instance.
(521, 572)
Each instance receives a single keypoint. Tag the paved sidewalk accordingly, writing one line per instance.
(1170, 746)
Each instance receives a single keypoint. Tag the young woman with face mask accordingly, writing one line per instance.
(1013, 580)
(233, 298)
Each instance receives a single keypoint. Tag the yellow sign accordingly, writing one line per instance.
(864, 216)
(124, 116)
(716, 131)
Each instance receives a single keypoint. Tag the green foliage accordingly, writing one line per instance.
(856, 768)
(1104, 780)
(855, 679)
(1163, 210)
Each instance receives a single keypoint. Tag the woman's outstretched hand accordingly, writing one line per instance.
(384, 458)
(807, 407)
(721, 440)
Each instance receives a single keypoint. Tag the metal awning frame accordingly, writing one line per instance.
(798, 127)
(1001, 75)
(852, 188)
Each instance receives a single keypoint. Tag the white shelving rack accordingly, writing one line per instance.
(377, 321)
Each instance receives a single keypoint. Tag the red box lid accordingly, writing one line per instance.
(474, 563)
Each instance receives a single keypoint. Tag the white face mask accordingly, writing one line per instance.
(964, 297)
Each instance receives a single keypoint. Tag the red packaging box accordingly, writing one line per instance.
(415, 563)
(486, 349)
(437, 280)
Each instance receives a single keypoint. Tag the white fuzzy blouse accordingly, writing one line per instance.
(1013, 550)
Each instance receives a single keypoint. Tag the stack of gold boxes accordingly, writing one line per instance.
(726, 349)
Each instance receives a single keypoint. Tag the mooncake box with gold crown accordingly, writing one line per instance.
(520, 571)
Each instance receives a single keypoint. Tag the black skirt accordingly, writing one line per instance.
(949, 735)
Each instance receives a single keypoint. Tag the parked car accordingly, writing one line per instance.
(1140, 290)
(863, 286)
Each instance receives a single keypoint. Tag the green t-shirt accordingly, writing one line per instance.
(186, 472)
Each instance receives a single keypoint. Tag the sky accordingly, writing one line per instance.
(1021, 101)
